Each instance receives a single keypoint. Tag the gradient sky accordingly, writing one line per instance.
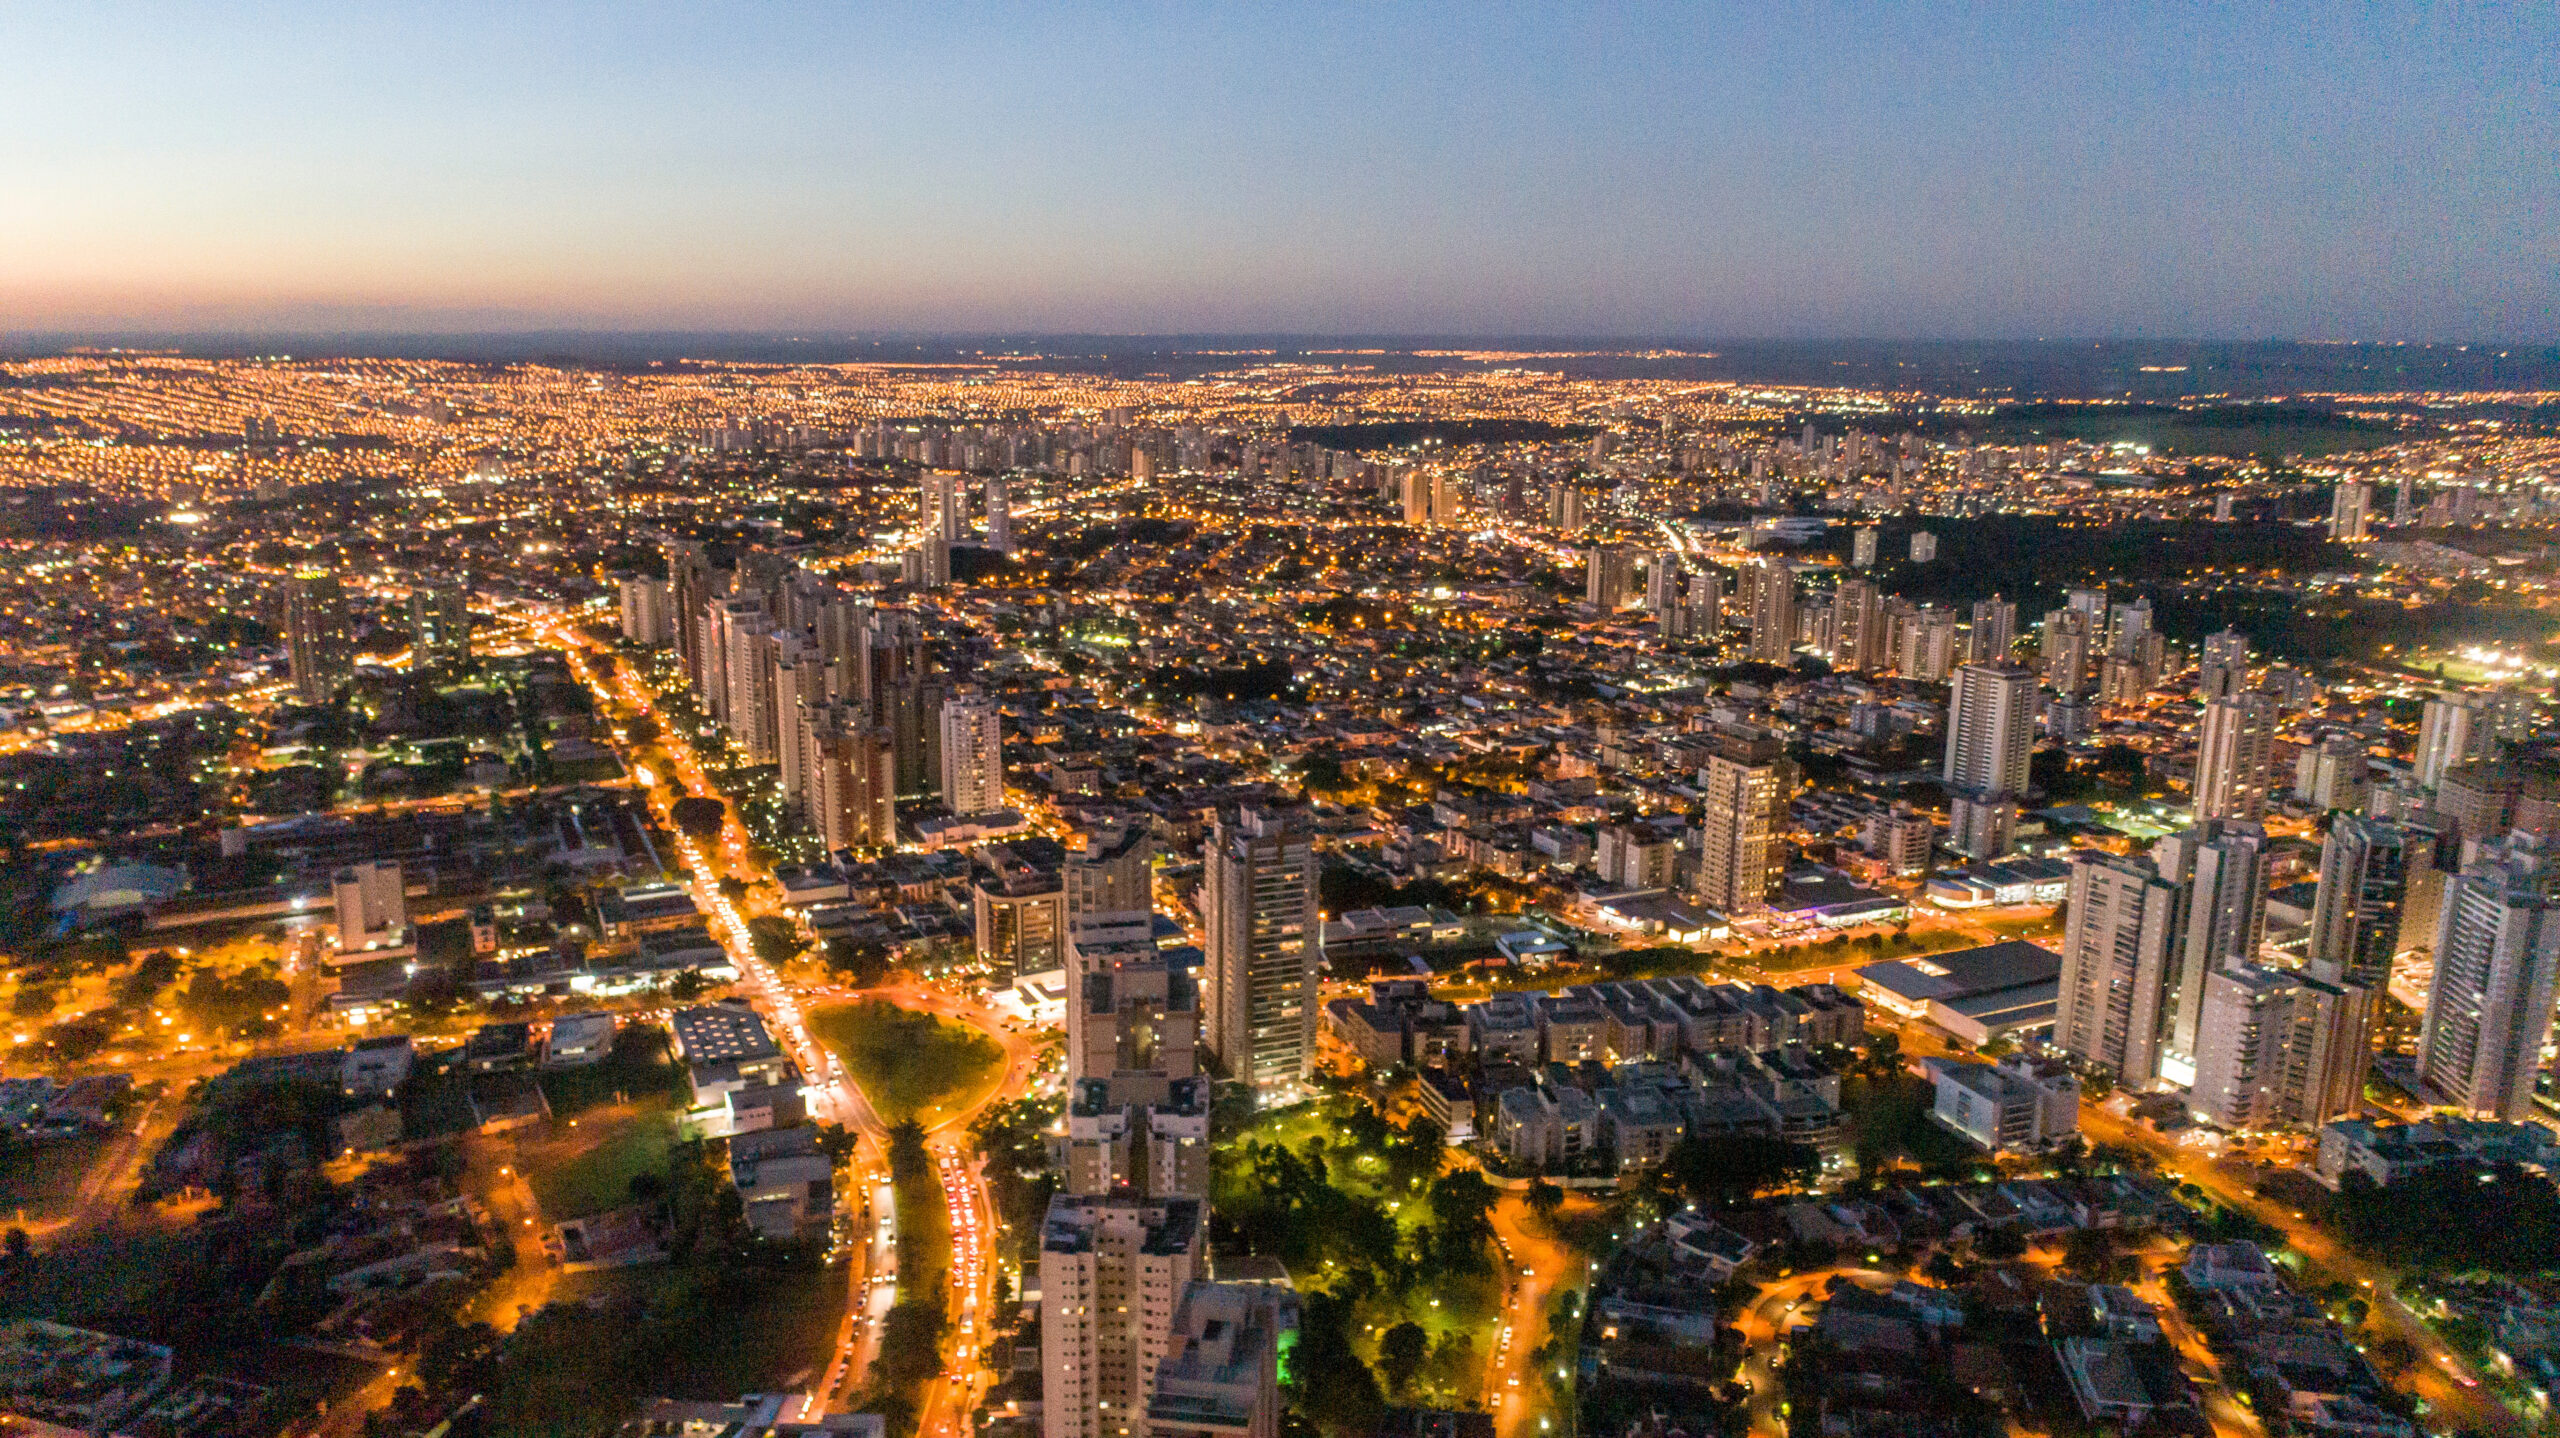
(2227, 171)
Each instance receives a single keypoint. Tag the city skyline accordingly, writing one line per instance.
(1632, 171)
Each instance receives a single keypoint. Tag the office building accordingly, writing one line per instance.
(1112, 1271)
(2489, 1010)
(972, 754)
(1738, 835)
(2235, 754)
(2016, 1105)
(2278, 1049)
(2121, 937)
(1258, 910)
(319, 636)
(440, 625)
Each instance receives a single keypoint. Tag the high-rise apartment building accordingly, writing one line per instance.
(319, 636)
(1738, 834)
(2454, 727)
(943, 507)
(2235, 754)
(2279, 1049)
(1609, 576)
(972, 754)
(2224, 670)
(746, 702)
(1112, 1271)
(648, 614)
(2489, 1010)
(852, 784)
(440, 624)
(1991, 728)
(1773, 612)
(1993, 631)
(2064, 646)
(1857, 627)
(999, 516)
(2350, 511)
(1862, 547)
(1991, 716)
(1258, 909)
(2222, 868)
(2121, 937)
(2332, 774)
(1137, 1115)
(689, 589)
(2356, 913)
(1113, 872)
(1926, 650)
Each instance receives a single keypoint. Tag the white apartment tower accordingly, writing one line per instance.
(2454, 727)
(2277, 1049)
(2497, 944)
(972, 754)
(1112, 1271)
(2119, 947)
(2235, 754)
(2222, 868)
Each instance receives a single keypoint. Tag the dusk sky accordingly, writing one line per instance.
(2241, 171)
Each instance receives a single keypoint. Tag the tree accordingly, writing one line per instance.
(1732, 1168)
(1462, 1218)
(1544, 1199)
(1401, 1350)
(688, 986)
(2000, 1244)
(699, 816)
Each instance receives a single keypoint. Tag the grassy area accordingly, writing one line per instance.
(639, 1068)
(42, 1180)
(583, 1166)
(910, 1064)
